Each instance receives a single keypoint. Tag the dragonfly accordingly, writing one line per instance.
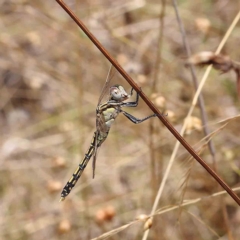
(106, 113)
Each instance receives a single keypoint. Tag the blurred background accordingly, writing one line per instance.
(51, 76)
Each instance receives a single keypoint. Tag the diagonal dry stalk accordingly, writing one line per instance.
(148, 102)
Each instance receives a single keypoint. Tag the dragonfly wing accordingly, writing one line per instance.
(110, 75)
(101, 124)
(99, 140)
(94, 162)
(100, 121)
(101, 128)
(95, 153)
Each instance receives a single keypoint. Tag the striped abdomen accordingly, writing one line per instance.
(77, 174)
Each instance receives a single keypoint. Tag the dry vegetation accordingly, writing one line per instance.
(51, 78)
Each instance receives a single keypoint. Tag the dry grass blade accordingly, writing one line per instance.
(162, 211)
(115, 231)
(204, 223)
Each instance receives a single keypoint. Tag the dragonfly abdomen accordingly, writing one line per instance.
(78, 172)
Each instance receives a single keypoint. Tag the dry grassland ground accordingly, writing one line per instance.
(51, 76)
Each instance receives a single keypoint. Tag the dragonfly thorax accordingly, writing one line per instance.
(118, 93)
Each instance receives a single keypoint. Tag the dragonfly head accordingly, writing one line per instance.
(118, 93)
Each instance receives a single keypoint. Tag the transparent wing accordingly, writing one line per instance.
(100, 122)
(110, 75)
(95, 154)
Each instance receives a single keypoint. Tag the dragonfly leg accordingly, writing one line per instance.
(131, 93)
(136, 120)
(131, 104)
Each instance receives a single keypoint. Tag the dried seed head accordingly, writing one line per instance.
(105, 214)
(110, 212)
(201, 58)
(100, 216)
(219, 62)
(59, 162)
(158, 100)
(193, 123)
(54, 186)
(229, 155)
(64, 226)
(34, 38)
(203, 24)
(122, 59)
(148, 224)
(142, 217)
(171, 116)
(141, 79)
(153, 96)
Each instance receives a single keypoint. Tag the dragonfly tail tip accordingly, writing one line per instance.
(61, 199)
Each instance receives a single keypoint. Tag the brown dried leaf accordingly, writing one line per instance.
(218, 61)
